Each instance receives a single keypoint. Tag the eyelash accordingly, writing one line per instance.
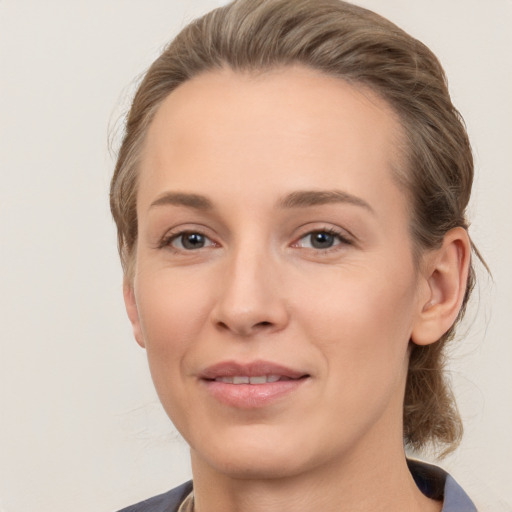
(343, 240)
(167, 241)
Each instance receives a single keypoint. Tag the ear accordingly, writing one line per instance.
(445, 274)
(133, 312)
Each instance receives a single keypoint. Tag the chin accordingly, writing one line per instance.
(256, 456)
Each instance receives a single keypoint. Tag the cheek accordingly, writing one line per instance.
(172, 313)
(362, 325)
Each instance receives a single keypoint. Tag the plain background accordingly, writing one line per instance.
(81, 428)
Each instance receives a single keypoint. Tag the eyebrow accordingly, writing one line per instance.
(297, 199)
(195, 201)
(306, 198)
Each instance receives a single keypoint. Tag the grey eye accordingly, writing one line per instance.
(191, 241)
(319, 240)
(322, 240)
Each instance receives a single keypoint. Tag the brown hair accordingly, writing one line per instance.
(361, 47)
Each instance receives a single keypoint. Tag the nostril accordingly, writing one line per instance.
(244, 329)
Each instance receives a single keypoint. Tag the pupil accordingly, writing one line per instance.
(322, 240)
(193, 241)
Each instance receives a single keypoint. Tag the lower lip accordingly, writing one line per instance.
(252, 396)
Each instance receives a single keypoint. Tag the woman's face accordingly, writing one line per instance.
(275, 289)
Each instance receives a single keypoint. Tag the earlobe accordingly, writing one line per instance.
(445, 276)
(133, 312)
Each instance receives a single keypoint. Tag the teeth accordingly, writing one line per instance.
(243, 379)
(258, 380)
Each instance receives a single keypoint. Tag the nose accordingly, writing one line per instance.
(251, 297)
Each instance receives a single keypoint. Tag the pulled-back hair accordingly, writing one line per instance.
(362, 48)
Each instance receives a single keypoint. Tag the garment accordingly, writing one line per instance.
(431, 480)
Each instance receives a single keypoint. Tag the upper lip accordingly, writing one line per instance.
(252, 369)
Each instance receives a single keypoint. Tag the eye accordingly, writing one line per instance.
(188, 241)
(322, 239)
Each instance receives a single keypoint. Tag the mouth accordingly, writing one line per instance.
(255, 380)
(253, 385)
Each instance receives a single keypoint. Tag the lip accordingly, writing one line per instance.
(251, 396)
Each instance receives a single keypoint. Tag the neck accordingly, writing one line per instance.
(380, 482)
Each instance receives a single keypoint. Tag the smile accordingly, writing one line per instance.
(258, 379)
(251, 385)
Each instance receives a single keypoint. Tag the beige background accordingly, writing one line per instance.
(80, 426)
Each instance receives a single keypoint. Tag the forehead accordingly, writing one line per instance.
(290, 125)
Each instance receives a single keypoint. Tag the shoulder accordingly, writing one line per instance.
(436, 483)
(167, 502)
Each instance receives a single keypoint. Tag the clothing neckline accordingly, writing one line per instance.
(433, 481)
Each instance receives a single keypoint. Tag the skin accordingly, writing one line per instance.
(249, 145)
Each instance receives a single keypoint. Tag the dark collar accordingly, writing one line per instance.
(437, 484)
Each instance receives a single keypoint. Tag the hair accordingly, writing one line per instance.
(364, 49)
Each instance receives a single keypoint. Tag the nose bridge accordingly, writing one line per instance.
(250, 298)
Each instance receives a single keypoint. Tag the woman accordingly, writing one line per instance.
(290, 200)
